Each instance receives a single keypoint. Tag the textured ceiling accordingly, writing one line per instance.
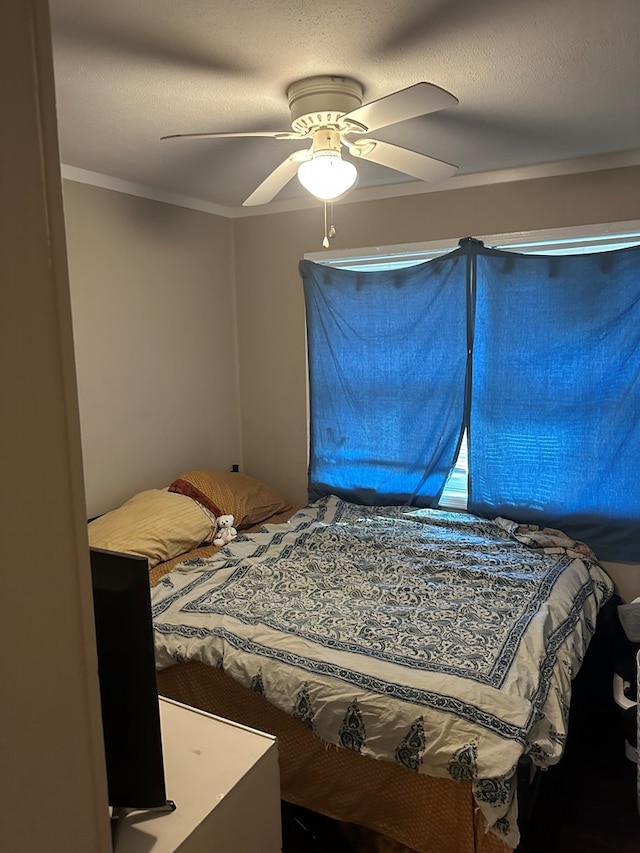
(538, 81)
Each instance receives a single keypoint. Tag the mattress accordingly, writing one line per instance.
(437, 644)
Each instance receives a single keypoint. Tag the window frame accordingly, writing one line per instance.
(549, 241)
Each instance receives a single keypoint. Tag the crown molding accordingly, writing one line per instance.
(592, 163)
(107, 182)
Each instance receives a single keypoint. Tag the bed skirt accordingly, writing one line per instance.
(408, 810)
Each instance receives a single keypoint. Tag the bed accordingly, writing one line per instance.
(409, 660)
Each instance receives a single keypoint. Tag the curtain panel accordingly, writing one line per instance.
(387, 367)
(538, 357)
(554, 418)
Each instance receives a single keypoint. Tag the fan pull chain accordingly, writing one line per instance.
(331, 231)
(325, 242)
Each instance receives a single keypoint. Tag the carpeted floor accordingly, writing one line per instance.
(306, 832)
(587, 806)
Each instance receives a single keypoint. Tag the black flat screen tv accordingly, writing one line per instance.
(128, 685)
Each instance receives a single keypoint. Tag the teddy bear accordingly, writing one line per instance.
(225, 530)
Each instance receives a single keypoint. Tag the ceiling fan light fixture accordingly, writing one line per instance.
(326, 175)
(329, 110)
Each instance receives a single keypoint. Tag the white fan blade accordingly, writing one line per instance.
(417, 100)
(270, 133)
(404, 160)
(278, 179)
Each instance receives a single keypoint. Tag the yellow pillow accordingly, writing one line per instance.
(248, 500)
(156, 524)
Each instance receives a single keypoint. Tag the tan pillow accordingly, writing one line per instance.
(249, 501)
(156, 524)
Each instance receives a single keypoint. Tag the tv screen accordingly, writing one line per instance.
(128, 686)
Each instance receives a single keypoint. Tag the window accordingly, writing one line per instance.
(549, 242)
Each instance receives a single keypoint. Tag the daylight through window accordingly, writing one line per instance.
(549, 242)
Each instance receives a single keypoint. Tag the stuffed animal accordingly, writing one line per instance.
(226, 531)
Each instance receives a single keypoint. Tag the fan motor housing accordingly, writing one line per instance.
(321, 101)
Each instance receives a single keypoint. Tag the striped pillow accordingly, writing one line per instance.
(248, 500)
(156, 524)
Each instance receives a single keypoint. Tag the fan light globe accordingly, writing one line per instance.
(327, 175)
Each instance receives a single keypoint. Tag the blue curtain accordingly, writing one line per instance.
(387, 366)
(537, 356)
(554, 422)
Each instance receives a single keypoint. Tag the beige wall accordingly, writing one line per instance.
(155, 339)
(169, 380)
(52, 775)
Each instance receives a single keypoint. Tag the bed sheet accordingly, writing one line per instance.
(439, 641)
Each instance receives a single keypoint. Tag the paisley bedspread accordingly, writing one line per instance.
(438, 640)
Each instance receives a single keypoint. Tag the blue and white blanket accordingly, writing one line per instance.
(441, 641)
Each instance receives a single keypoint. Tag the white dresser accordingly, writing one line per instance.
(224, 779)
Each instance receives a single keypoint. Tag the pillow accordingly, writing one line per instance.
(156, 524)
(249, 501)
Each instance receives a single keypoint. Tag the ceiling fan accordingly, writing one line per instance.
(329, 112)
